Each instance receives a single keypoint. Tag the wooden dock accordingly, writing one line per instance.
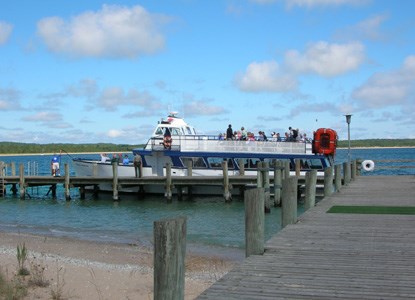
(335, 256)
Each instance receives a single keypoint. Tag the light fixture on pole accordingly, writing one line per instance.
(348, 119)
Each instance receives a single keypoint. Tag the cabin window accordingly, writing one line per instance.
(197, 162)
(189, 130)
(249, 163)
(175, 131)
(216, 162)
(159, 131)
(313, 164)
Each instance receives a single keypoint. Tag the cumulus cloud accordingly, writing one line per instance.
(313, 3)
(115, 133)
(368, 29)
(5, 31)
(114, 31)
(199, 107)
(111, 98)
(265, 77)
(44, 117)
(9, 99)
(388, 88)
(320, 58)
(326, 59)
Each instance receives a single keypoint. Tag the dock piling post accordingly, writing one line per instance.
(115, 181)
(226, 193)
(289, 201)
(346, 173)
(254, 221)
(354, 169)
(266, 185)
(286, 169)
(241, 166)
(67, 182)
(297, 167)
(13, 168)
(168, 193)
(277, 183)
(328, 181)
(22, 182)
(169, 258)
(337, 177)
(310, 189)
(189, 173)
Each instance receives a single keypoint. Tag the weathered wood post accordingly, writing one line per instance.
(115, 181)
(328, 181)
(13, 168)
(266, 185)
(226, 193)
(354, 169)
(82, 192)
(289, 201)
(254, 221)
(2, 185)
(337, 177)
(241, 167)
(168, 193)
(189, 173)
(22, 182)
(286, 169)
(95, 169)
(67, 183)
(310, 189)
(297, 167)
(277, 182)
(169, 258)
(346, 173)
(259, 180)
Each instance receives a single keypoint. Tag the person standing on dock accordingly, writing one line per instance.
(55, 165)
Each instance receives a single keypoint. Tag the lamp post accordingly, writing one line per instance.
(348, 119)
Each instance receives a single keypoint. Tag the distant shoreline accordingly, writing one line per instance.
(80, 153)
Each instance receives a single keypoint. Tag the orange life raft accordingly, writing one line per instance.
(325, 141)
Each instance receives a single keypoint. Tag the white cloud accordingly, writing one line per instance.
(5, 31)
(388, 88)
(326, 59)
(368, 29)
(313, 3)
(44, 117)
(114, 31)
(115, 133)
(320, 58)
(199, 107)
(111, 98)
(9, 99)
(265, 77)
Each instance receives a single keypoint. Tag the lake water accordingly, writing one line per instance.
(212, 225)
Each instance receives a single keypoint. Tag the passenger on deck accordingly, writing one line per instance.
(229, 133)
(244, 134)
(167, 140)
(126, 160)
(104, 157)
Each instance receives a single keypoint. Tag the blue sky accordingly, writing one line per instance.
(93, 71)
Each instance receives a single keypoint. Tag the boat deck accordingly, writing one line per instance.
(335, 256)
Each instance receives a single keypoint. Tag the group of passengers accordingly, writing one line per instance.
(292, 135)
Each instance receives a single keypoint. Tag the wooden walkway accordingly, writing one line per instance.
(335, 256)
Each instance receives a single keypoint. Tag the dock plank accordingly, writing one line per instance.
(335, 256)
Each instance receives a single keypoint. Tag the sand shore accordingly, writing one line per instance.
(93, 270)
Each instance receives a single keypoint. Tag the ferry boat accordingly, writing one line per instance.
(176, 142)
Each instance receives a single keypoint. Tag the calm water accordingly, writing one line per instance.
(212, 225)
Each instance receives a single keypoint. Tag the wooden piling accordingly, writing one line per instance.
(297, 167)
(254, 221)
(266, 185)
(328, 181)
(22, 182)
(286, 169)
(169, 258)
(189, 173)
(337, 177)
(310, 189)
(115, 181)
(13, 168)
(241, 166)
(277, 182)
(289, 201)
(353, 170)
(168, 193)
(226, 192)
(346, 173)
(67, 182)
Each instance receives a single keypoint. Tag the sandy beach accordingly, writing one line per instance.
(93, 270)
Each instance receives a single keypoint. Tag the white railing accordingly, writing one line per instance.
(209, 144)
